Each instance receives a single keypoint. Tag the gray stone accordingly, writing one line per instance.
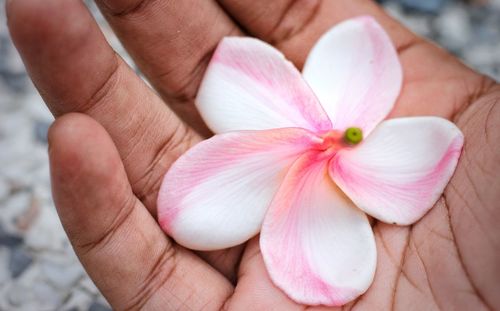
(418, 24)
(62, 275)
(453, 27)
(482, 55)
(18, 295)
(424, 6)
(97, 306)
(78, 300)
(40, 130)
(46, 233)
(88, 285)
(9, 240)
(17, 204)
(32, 292)
(421, 25)
(48, 296)
(19, 261)
(4, 266)
(4, 189)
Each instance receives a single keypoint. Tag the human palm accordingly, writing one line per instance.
(114, 139)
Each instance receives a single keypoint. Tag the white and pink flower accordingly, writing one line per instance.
(302, 158)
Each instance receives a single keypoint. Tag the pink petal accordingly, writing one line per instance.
(397, 174)
(249, 85)
(317, 246)
(215, 196)
(355, 72)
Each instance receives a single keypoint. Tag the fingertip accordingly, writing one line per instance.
(70, 132)
(81, 149)
(34, 19)
(87, 174)
(63, 50)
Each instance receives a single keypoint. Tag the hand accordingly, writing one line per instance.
(114, 138)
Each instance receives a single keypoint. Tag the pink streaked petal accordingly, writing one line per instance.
(317, 246)
(355, 72)
(215, 195)
(402, 168)
(249, 85)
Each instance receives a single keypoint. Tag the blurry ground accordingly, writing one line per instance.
(38, 269)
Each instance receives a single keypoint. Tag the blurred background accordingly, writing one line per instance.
(38, 269)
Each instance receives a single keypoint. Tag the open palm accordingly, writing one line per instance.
(114, 139)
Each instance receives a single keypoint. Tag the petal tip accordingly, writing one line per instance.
(402, 169)
(250, 85)
(355, 72)
(324, 255)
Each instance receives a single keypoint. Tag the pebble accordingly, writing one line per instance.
(423, 6)
(17, 204)
(495, 4)
(5, 275)
(46, 233)
(97, 306)
(9, 240)
(62, 275)
(47, 295)
(4, 189)
(32, 292)
(41, 128)
(78, 300)
(88, 286)
(453, 27)
(484, 53)
(19, 294)
(19, 261)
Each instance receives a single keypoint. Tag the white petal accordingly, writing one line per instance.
(398, 173)
(215, 196)
(317, 246)
(249, 85)
(355, 72)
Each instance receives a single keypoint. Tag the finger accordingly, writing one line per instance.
(255, 290)
(294, 27)
(120, 245)
(76, 70)
(172, 42)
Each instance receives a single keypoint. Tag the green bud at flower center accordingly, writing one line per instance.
(353, 135)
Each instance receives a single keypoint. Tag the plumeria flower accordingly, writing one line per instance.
(303, 158)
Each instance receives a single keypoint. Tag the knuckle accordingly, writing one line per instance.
(296, 17)
(119, 8)
(174, 145)
(160, 273)
(103, 90)
(102, 240)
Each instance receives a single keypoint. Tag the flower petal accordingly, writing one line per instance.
(400, 171)
(355, 72)
(215, 196)
(317, 246)
(249, 85)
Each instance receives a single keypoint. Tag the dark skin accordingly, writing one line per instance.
(114, 138)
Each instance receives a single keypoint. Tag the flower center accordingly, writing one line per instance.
(353, 135)
(334, 140)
